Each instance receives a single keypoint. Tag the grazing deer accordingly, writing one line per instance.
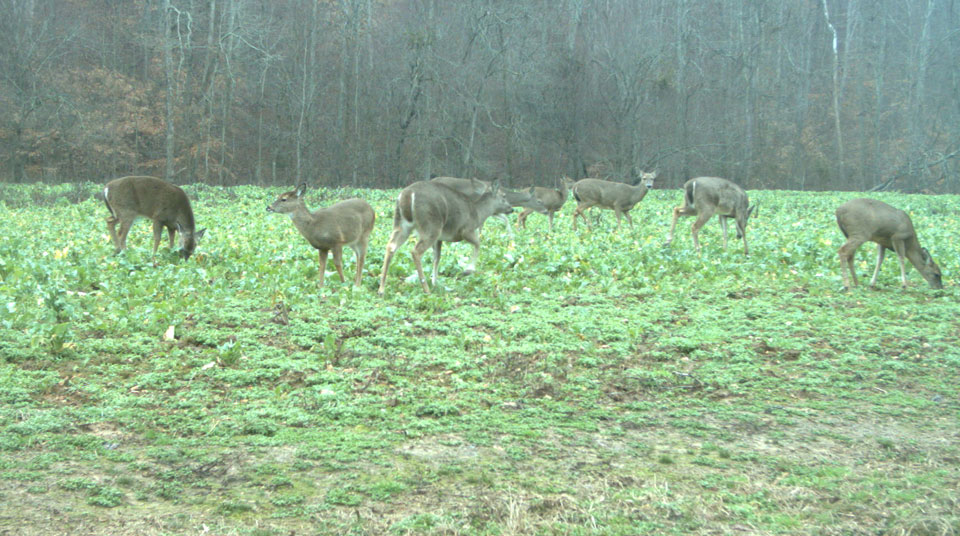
(619, 197)
(165, 204)
(439, 214)
(863, 220)
(705, 196)
(552, 199)
(474, 188)
(347, 223)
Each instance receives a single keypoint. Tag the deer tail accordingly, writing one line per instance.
(690, 191)
(107, 202)
(404, 209)
(842, 230)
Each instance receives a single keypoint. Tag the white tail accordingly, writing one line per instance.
(347, 223)
(128, 198)
(439, 214)
(705, 196)
(552, 199)
(863, 220)
(619, 197)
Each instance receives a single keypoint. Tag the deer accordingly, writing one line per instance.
(552, 199)
(346, 223)
(617, 196)
(167, 205)
(474, 188)
(863, 220)
(705, 196)
(439, 214)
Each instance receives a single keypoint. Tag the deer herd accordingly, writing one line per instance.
(450, 209)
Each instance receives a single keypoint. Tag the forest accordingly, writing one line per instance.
(802, 95)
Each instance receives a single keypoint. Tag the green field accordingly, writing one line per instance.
(579, 383)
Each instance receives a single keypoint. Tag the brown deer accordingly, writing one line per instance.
(128, 198)
(439, 214)
(552, 199)
(347, 223)
(474, 188)
(617, 196)
(705, 196)
(863, 220)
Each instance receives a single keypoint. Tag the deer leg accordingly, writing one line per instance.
(506, 223)
(422, 245)
(673, 225)
(323, 264)
(702, 220)
(437, 246)
(629, 219)
(677, 212)
(723, 227)
(550, 218)
(112, 228)
(900, 248)
(846, 253)
(881, 251)
(471, 238)
(742, 233)
(360, 253)
(157, 233)
(124, 230)
(338, 261)
(522, 218)
(397, 238)
(581, 211)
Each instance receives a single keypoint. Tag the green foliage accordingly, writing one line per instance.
(572, 373)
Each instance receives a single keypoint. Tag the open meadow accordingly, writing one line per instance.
(589, 382)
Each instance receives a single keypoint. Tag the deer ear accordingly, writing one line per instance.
(301, 189)
(495, 187)
(927, 259)
(532, 190)
(199, 234)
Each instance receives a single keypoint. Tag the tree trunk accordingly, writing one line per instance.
(169, 145)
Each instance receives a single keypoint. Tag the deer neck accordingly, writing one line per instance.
(484, 208)
(301, 217)
(912, 251)
(639, 192)
(185, 219)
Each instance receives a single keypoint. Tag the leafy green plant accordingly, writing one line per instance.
(574, 373)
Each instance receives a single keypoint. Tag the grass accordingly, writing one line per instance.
(579, 383)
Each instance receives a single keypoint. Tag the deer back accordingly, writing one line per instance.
(152, 198)
(435, 208)
(344, 222)
(553, 199)
(728, 197)
(608, 194)
(876, 221)
(472, 188)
